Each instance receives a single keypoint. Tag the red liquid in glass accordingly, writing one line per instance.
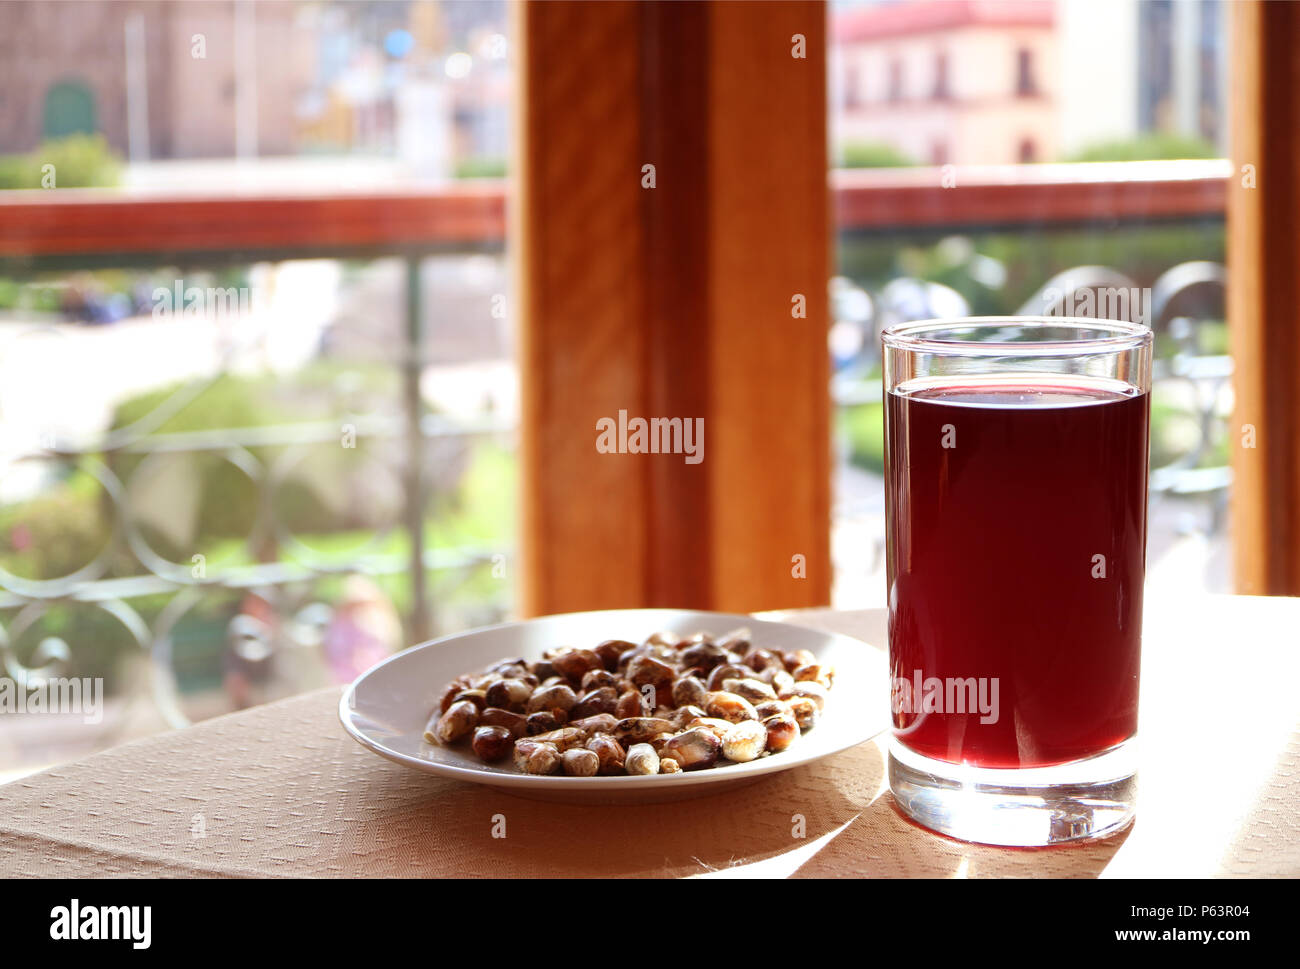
(991, 564)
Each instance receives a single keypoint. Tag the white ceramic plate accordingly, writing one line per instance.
(387, 708)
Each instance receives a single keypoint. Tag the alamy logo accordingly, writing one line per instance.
(658, 435)
(214, 302)
(953, 694)
(131, 923)
(1131, 303)
(76, 695)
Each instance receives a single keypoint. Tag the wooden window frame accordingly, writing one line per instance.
(1263, 294)
(674, 301)
(623, 298)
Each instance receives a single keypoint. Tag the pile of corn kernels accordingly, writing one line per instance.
(664, 706)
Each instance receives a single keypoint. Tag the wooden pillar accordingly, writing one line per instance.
(1264, 297)
(674, 301)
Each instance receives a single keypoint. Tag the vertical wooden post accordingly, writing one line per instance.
(770, 246)
(1264, 297)
(581, 254)
(674, 301)
(677, 224)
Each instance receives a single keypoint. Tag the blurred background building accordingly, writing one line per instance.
(981, 82)
(946, 82)
(420, 84)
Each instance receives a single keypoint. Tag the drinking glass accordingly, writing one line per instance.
(1016, 501)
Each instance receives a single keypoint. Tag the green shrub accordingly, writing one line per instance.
(481, 168)
(57, 532)
(863, 426)
(228, 500)
(80, 161)
(1153, 146)
(872, 154)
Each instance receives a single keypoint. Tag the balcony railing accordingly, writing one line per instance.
(68, 230)
(82, 227)
(1021, 196)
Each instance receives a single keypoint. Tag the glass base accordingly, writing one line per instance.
(1084, 799)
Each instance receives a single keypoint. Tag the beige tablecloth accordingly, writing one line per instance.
(281, 790)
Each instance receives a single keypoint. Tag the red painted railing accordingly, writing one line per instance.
(66, 222)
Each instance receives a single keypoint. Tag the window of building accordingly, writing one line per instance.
(69, 110)
(1026, 84)
(941, 89)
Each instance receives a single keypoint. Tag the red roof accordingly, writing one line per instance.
(928, 16)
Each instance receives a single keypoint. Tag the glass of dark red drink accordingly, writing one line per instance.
(1016, 498)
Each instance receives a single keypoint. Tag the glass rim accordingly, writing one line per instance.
(1117, 336)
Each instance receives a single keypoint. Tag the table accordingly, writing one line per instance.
(281, 791)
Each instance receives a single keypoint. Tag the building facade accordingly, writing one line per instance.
(203, 79)
(962, 82)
